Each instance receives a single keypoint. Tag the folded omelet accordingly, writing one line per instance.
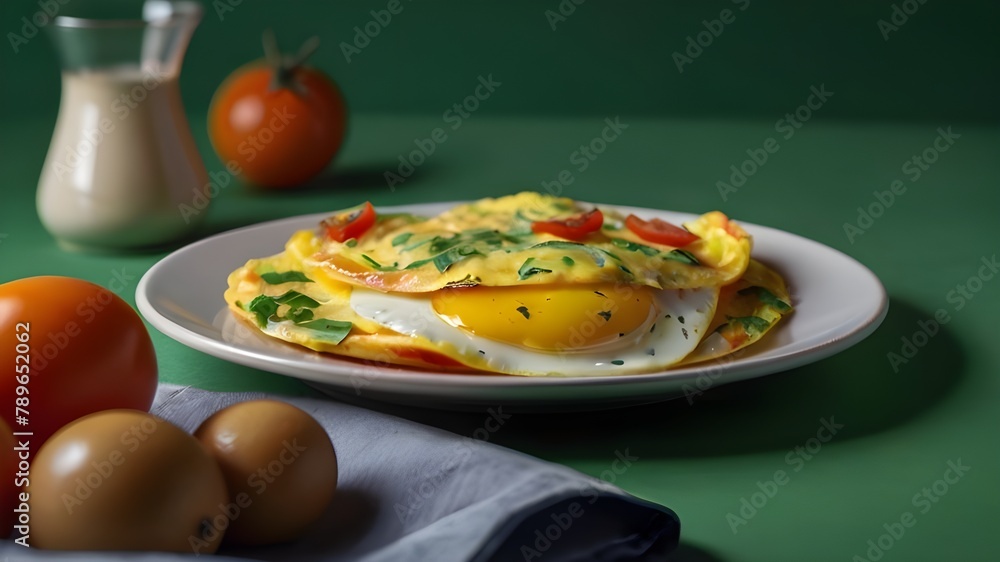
(527, 284)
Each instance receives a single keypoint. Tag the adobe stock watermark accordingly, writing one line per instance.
(428, 486)
(586, 154)
(898, 17)
(787, 127)
(249, 148)
(223, 7)
(365, 33)
(796, 458)
(562, 518)
(696, 44)
(923, 501)
(913, 169)
(31, 25)
(456, 116)
(958, 297)
(564, 10)
(258, 481)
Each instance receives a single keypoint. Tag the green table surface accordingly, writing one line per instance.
(900, 429)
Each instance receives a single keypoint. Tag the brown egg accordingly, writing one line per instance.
(125, 480)
(279, 465)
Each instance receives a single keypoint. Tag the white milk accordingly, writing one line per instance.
(121, 164)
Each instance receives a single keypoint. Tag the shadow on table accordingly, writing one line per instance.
(347, 520)
(689, 553)
(857, 388)
(360, 180)
(361, 177)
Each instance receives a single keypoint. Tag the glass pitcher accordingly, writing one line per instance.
(122, 170)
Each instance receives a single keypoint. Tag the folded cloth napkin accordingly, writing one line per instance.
(412, 492)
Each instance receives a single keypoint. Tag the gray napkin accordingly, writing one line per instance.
(411, 492)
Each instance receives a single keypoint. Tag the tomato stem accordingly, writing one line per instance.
(284, 67)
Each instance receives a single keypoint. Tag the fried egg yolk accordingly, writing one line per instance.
(548, 317)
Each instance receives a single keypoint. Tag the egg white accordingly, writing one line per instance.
(672, 330)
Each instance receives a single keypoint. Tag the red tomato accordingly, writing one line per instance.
(351, 223)
(660, 232)
(281, 122)
(69, 348)
(573, 228)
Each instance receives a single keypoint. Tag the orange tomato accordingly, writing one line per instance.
(279, 121)
(70, 348)
(9, 488)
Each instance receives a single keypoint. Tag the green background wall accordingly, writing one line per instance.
(605, 58)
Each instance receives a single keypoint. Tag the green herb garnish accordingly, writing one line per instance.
(767, 297)
(333, 331)
(527, 270)
(295, 299)
(594, 253)
(634, 247)
(401, 239)
(751, 324)
(377, 265)
(682, 256)
(524, 312)
(275, 278)
(263, 307)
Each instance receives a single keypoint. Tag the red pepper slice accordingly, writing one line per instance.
(572, 228)
(660, 232)
(351, 223)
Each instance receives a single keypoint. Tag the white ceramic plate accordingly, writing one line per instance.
(838, 302)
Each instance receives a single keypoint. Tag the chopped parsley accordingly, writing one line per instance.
(634, 247)
(527, 270)
(617, 362)
(448, 258)
(276, 278)
(594, 253)
(401, 239)
(767, 297)
(265, 310)
(605, 314)
(377, 265)
(332, 331)
(751, 324)
(568, 260)
(682, 256)
(524, 312)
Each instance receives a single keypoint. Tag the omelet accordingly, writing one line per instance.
(491, 243)
(483, 288)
